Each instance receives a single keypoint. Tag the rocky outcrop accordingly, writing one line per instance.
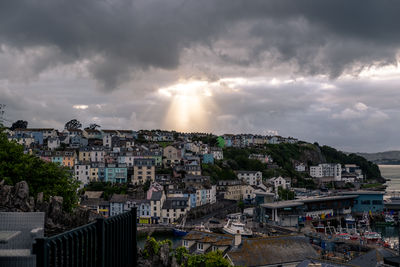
(16, 199)
(163, 256)
(312, 154)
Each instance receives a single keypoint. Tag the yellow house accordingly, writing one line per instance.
(69, 159)
(94, 173)
(84, 155)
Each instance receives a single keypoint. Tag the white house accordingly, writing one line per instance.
(97, 154)
(300, 167)
(82, 172)
(156, 203)
(277, 182)
(250, 177)
(53, 143)
(327, 170)
(173, 208)
(248, 193)
(217, 153)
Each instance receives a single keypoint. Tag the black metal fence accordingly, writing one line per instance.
(103, 243)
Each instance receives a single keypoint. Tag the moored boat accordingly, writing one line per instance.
(372, 236)
(236, 227)
(344, 236)
(179, 232)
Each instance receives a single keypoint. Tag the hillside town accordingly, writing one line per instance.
(169, 164)
(217, 193)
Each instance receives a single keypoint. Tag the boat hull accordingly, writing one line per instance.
(178, 232)
(227, 231)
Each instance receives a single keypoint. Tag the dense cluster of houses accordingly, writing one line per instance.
(169, 161)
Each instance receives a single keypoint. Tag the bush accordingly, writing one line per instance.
(41, 176)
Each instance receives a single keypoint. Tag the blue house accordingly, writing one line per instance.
(367, 201)
(208, 158)
(38, 137)
(116, 173)
(57, 159)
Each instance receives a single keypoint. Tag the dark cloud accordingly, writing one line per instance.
(54, 54)
(120, 37)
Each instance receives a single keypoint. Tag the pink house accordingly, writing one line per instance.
(154, 187)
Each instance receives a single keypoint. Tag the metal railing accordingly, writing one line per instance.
(105, 242)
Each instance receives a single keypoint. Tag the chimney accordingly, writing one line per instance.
(238, 239)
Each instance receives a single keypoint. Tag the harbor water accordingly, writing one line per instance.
(392, 172)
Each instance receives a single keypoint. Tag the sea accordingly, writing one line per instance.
(392, 172)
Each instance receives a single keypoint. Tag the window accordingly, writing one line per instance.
(365, 202)
(200, 246)
(185, 243)
(377, 202)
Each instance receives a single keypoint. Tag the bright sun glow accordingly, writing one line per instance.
(187, 111)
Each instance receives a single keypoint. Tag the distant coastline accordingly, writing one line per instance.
(383, 158)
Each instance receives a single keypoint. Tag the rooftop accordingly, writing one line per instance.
(282, 204)
(284, 249)
(363, 192)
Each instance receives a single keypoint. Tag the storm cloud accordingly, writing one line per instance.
(321, 71)
(117, 38)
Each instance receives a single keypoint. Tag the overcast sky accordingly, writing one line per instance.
(324, 71)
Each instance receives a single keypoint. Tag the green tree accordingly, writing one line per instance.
(41, 176)
(19, 124)
(73, 124)
(211, 259)
(285, 194)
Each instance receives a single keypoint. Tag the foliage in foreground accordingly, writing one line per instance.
(183, 258)
(41, 176)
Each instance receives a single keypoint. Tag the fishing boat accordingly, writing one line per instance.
(350, 219)
(355, 236)
(372, 237)
(320, 228)
(202, 227)
(179, 229)
(389, 221)
(344, 236)
(234, 227)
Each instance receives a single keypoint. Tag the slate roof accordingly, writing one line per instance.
(175, 203)
(93, 194)
(156, 195)
(272, 250)
(371, 258)
(118, 198)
